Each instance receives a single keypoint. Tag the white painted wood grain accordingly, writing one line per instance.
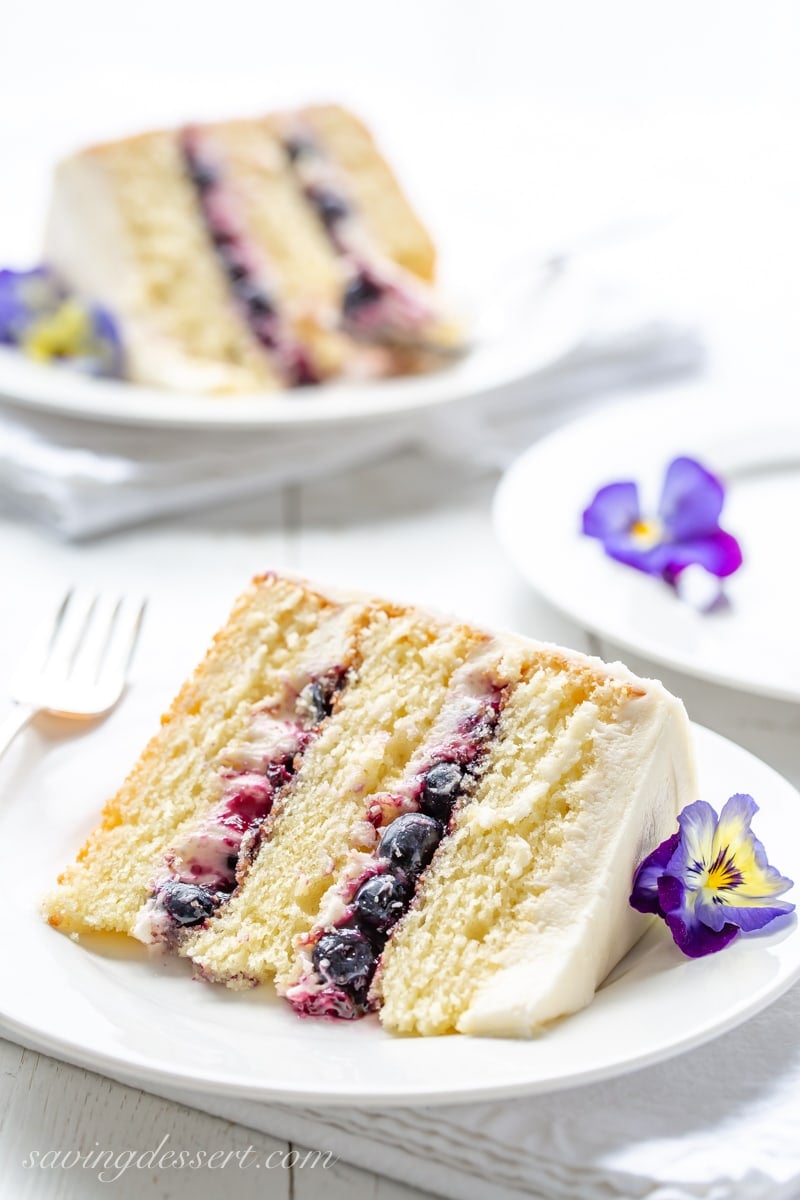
(49, 1106)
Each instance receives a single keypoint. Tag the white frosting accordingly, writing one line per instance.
(87, 244)
(152, 924)
(265, 739)
(581, 923)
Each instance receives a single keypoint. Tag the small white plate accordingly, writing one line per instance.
(106, 1004)
(519, 326)
(752, 641)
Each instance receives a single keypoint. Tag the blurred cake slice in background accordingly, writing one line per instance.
(251, 255)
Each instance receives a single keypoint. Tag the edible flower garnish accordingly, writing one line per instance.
(39, 317)
(685, 530)
(711, 880)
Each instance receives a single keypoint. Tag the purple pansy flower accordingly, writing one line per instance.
(685, 530)
(23, 294)
(711, 880)
(39, 317)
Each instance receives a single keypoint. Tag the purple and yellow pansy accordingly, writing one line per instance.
(41, 319)
(711, 880)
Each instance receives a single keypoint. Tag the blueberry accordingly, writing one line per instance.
(345, 958)
(279, 773)
(360, 292)
(317, 697)
(410, 842)
(440, 789)
(266, 333)
(382, 900)
(203, 175)
(234, 266)
(231, 258)
(303, 371)
(299, 147)
(257, 301)
(222, 239)
(318, 701)
(188, 903)
(330, 207)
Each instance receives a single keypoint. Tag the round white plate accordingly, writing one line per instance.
(108, 1004)
(750, 642)
(518, 326)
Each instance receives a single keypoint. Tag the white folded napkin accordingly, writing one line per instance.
(721, 1122)
(82, 478)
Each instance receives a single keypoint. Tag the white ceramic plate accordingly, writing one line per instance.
(752, 642)
(519, 327)
(107, 1005)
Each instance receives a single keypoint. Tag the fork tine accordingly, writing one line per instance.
(122, 639)
(42, 640)
(135, 634)
(91, 651)
(71, 631)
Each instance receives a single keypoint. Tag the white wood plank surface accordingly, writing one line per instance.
(46, 1105)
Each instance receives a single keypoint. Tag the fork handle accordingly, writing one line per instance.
(14, 723)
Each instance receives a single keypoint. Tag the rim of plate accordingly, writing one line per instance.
(778, 969)
(119, 1068)
(492, 362)
(731, 438)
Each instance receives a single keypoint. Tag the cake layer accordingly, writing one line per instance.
(411, 813)
(279, 634)
(524, 910)
(391, 223)
(382, 302)
(406, 662)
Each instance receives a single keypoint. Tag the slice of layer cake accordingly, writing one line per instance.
(226, 746)
(381, 809)
(251, 254)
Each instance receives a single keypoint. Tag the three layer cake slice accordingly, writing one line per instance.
(375, 808)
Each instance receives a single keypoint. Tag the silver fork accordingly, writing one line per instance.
(77, 666)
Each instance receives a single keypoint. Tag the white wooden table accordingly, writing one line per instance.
(407, 527)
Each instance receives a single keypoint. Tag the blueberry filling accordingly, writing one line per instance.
(361, 292)
(382, 900)
(257, 301)
(235, 267)
(329, 206)
(377, 900)
(203, 867)
(202, 174)
(299, 147)
(410, 842)
(317, 698)
(222, 238)
(244, 275)
(346, 959)
(440, 790)
(188, 903)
